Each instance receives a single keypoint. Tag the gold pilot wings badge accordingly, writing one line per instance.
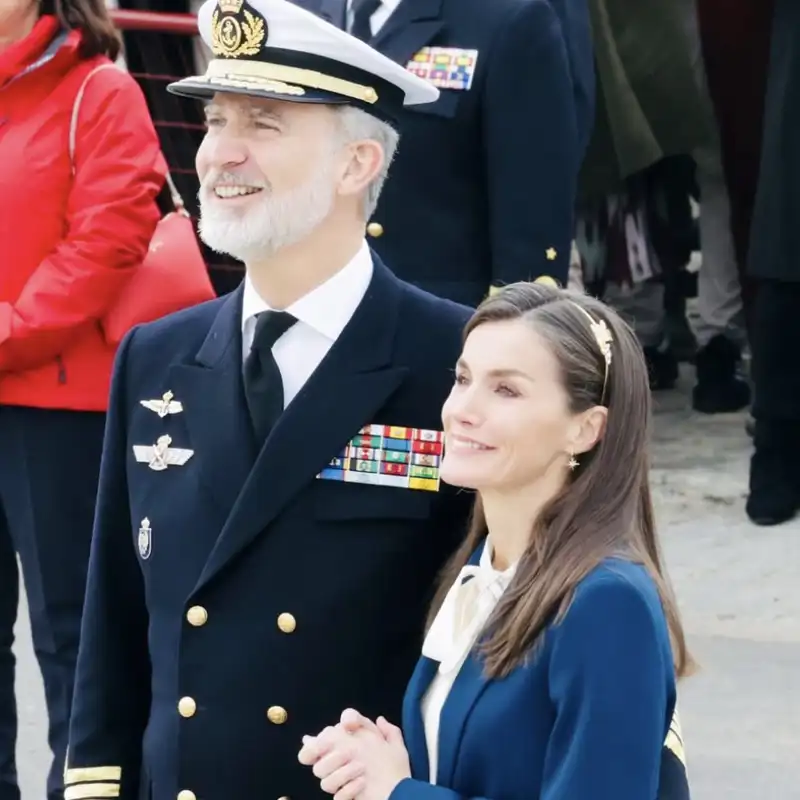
(166, 405)
(160, 456)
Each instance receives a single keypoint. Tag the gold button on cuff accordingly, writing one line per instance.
(286, 622)
(375, 229)
(277, 715)
(546, 280)
(187, 707)
(185, 794)
(197, 616)
(551, 253)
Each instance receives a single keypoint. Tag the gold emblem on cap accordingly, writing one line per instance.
(233, 36)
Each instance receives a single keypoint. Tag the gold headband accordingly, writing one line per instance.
(604, 341)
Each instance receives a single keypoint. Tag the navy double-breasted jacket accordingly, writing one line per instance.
(235, 600)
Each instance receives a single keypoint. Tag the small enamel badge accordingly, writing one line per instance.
(166, 405)
(145, 539)
(160, 455)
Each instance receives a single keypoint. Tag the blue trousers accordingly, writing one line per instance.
(49, 467)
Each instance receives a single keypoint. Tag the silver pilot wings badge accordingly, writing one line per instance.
(166, 405)
(160, 455)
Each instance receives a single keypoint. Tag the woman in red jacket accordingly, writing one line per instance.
(67, 247)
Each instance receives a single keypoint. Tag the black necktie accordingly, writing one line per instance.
(263, 386)
(362, 14)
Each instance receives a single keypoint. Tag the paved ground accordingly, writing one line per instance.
(739, 587)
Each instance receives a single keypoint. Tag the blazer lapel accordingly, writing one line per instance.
(411, 26)
(467, 688)
(349, 387)
(413, 723)
(208, 388)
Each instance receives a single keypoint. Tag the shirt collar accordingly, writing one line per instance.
(327, 308)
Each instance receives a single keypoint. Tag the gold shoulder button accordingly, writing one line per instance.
(287, 623)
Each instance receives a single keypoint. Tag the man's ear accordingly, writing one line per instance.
(364, 162)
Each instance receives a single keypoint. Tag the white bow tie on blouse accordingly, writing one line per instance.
(464, 612)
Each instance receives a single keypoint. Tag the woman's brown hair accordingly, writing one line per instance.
(605, 510)
(92, 19)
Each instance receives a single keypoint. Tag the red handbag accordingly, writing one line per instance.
(173, 275)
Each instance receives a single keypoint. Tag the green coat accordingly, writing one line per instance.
(650, 101)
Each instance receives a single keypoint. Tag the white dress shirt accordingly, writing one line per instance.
(321, 316)
(377, 20)
(464, 613)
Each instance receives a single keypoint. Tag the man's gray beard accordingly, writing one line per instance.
(274, 222)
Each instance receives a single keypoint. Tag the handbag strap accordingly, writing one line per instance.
(177, 200)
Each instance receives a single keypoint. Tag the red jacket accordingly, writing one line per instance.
(68, 246)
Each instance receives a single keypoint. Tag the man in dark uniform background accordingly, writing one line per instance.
(482, 191)
(255, 570)
(774, 266)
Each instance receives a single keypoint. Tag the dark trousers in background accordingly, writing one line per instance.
(776, 367)
(49, 467)
(735, 36)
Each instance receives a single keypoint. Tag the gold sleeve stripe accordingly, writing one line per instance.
(90, 791)
(675, 726)
(673, 731)
(83, 774)
(673, 743)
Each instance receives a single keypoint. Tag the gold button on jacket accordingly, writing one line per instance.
(185, 794)
(375, 229)
(286, 622)
(187, 707)
(197, 616)
(277, 715)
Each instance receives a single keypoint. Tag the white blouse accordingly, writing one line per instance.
(464, 613)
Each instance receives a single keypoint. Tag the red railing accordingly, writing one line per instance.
(154, 21)
(161, 48)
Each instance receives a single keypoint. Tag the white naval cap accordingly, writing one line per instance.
(273, 48)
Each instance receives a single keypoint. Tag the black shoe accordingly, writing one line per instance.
(774, 474)
(662, 368)
(720, 386)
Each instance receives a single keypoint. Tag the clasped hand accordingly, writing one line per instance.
(358, 759)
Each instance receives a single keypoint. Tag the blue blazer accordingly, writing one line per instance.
(585, 718)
